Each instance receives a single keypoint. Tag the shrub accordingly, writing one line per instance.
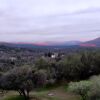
(80, 88)
(94, 93)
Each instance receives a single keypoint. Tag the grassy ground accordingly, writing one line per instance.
(14, 98)
(58, 93)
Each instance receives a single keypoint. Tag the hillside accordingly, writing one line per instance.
(92, 43)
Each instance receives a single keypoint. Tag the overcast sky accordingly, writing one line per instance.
(49, 20)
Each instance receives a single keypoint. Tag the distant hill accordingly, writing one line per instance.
(92, 43)
(54, 43)
(45, 44)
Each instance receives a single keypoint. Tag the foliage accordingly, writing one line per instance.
(22, 80)
(94, 93)
(80, 88)
(40, 78)
(24, 70)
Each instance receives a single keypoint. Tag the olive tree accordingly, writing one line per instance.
(21, 80)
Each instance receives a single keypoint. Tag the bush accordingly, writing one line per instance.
(40, 78)
(94, 93)
(80, 88)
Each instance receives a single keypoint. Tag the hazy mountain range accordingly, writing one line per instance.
(91, 43)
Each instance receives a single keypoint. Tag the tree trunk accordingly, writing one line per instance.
(28, 94)
(24, 94)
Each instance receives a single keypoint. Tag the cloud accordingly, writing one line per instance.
(42, 20)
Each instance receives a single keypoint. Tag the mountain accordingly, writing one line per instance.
(53, 43)
(72, 43)
(19, 45)
(41, 44)
(92, 43)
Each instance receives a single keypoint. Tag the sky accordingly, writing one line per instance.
(49, 20)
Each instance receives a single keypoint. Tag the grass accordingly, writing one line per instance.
(47, 88)
(14, 98)
(65, 87)
(59, 93)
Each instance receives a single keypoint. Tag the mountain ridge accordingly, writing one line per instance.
(91, 43)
